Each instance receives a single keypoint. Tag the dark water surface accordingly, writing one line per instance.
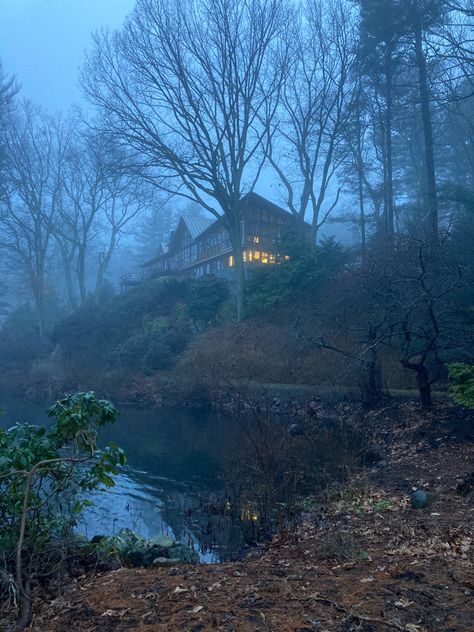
(177, 461)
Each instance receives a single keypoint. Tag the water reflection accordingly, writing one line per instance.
(176, 461)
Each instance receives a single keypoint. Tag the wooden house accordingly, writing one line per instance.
(201, 246)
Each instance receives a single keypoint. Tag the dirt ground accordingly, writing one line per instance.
(368, 562)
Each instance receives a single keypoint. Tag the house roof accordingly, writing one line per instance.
(197, 225)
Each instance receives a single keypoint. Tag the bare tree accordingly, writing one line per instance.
(306, 140)
(407, 302)
(33, 146)
(8, 91)
(187, 84)
(100, 196)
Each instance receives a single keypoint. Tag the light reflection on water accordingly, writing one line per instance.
(176, 458)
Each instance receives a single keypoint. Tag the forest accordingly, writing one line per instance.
(351, 118)
(345, 366)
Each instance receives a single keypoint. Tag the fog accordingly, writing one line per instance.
(236, 243)
(42, 42)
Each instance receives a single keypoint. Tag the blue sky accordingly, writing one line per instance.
(42, 42)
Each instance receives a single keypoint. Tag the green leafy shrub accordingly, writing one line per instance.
(462, 383)
(301, 275)
(43, 476)
(206, 298)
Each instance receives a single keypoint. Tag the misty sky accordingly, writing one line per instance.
(42, 42)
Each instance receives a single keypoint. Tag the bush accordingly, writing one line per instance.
(206, 298)
(42, 475)
(300, 276)
(462, 383)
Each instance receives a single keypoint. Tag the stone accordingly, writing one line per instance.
(295, 430)
(183, 553)
(163, 542)
(166, 561)
(420, 499)
(135, 558)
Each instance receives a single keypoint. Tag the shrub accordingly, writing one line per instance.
(299, 276)
(462, 383)
(42, 475)
(206, 298)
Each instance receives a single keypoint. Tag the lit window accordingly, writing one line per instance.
(264, 257)
(256, 239)
(256, 255)
(272, 258)
(231, 261)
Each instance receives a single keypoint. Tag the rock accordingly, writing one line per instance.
(136, 551)
(465, 485)
(295, 430)
(135, 558)
(163, 542)
(183, 553)
(166, 561)
(420, 499)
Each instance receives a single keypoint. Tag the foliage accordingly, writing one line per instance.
(143, 330)
(206, 298)
(303, 273)
(43, 473)
(462, 383)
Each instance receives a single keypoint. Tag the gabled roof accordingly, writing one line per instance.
(162, 249)
(196, 225)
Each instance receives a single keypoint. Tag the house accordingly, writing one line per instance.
(201, 246)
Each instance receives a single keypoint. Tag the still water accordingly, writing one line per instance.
(177, 464)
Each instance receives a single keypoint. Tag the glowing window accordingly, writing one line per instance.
(231, 261)
(256, 255)
(256, 239)
(264, 257)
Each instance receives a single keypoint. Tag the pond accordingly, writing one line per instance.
(177, 464)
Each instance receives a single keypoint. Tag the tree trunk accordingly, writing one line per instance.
(81, 273)
(71, 294)
(22, 583)
(431, 194)
(236, 242)
(423, 381)
(360, 175)
(389, 206)
(371, 386)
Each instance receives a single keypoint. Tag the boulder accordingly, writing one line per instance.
(163, 542)
(183, 553)
(295, 430)
(420, 499)
(136, 551)
(135, 558)
(166, 561)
